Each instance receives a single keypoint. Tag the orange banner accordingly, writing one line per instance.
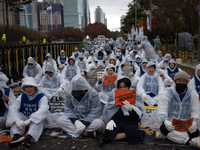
(182, 126)
(110, 80)
(5, 138)
(122, 95)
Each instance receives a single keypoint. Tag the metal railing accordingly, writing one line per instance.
(14, 57)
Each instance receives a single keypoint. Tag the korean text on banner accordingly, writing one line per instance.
(122, 95)
(110, 80)
(182, 126)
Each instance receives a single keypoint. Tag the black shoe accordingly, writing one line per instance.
(27, 141)
(103, 140)
(17, 138)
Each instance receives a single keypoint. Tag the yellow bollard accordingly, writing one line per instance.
(17, 65)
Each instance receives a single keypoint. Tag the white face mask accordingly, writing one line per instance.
(49, 59)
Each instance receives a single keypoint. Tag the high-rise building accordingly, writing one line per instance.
(121, 20)
(86, 13)
(99, 15)
(29, 18)
(72, 11)
(52, 16)
(13, 17)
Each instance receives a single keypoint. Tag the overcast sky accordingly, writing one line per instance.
(112, 10)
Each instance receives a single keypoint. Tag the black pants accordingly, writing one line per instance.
(164, 131)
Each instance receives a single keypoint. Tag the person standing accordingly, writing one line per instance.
(24, 40)
(157, 43)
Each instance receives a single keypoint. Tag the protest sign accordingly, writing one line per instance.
(110, 80)
(57, 105)
(122, 95)
(182, 126)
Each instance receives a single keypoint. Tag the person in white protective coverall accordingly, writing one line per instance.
(157, 43)
(76, 53)
(62, 60)
(90, 62)
(49, 61)
(6, 100)
(114, 61)
(105, 89)
(150, 54)
(182, 103)
(195, 82)
(3, 79)
(122, 120)
(132, 55)
(167, 81)
(30, 109)
(138, 62)
(139, 72)
(82, 64)
(159, 56)
(120, 57)
(150, 86)
(71, 69)
(82, 109)
(52, 84)
(172, 69)
(100, 57)
(32, 69)
(165, 62)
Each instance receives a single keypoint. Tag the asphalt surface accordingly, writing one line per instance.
(63, 144)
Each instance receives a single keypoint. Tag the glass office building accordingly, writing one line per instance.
(29, 18)
(51, 21)
(86, 13)
(72, 12)
(99, 15)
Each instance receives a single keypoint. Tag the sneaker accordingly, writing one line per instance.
(27, 141)
(17, 138)
(195, 142)
(159, 135)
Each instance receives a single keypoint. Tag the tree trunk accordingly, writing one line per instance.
(7, 19)
(3, 12)
(177, 42)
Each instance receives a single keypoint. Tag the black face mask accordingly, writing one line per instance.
(180, 88)
(81, 59)
(78, 95)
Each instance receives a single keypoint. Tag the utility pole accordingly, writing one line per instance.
(136, 13)
(198, 58)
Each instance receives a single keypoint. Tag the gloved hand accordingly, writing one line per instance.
(100, 78)
(110, 126)
(193, 128)
(168, 125)
(171, 81)
(127, 105)
(27, 122)
(80, 127)
(63, 65)
(60, 90)
(144, 96)
(20, 124)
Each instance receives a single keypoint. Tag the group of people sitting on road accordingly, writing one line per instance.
(92, 111)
